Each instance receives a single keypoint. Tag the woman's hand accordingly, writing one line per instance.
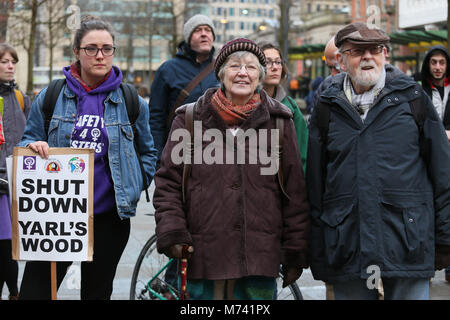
(290, 275)
(40, 147)
(176, 251)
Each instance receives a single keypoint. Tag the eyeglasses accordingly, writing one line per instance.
(276, 63)
(249, 68)
(334, 66)
(93, 51)
(357, 52)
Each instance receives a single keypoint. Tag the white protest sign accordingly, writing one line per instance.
(52, 205)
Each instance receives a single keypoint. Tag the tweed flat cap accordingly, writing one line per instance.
(239, 44)
(360, 33)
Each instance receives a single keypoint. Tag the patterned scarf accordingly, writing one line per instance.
(363, 102)
(232, 114)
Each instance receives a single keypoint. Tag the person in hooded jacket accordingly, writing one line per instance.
(13, 123)
(435, 75)
(194, 54)
(276, 74)
(92, 91)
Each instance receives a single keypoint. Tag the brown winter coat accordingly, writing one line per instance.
(237, 220)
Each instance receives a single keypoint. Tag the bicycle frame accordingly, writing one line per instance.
(169, 287)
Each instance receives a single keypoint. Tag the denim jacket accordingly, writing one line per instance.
(123, 162)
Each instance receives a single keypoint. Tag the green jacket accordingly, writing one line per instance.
(300, 125)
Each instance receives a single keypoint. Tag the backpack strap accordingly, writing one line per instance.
(52, 94)
(187, 166)
(19, 97)
(132, 103)
(279, 123)
(419, 113)
(186, 91)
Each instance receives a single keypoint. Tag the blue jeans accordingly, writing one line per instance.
(394, 289)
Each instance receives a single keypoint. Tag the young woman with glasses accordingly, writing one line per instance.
(90, 112)
(276, 74)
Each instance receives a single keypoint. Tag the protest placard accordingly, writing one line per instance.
(52, 205)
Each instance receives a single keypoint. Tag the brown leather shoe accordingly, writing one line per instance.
(16, 297)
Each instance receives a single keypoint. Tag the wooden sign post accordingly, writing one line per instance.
(52, 207)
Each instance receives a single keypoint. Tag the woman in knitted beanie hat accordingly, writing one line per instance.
(239, 221)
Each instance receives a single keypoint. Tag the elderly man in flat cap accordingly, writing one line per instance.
(378, 177)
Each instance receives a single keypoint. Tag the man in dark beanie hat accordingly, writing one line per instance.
(378, 177)
(184, 78)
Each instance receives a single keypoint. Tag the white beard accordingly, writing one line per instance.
(366, 78)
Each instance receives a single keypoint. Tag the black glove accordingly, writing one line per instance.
(442, 257)
(176, 251)
(290, 275)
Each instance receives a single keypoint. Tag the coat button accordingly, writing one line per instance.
(67, 136)
(235, 186)
(389, 100)
(237, 227)
(411, 220)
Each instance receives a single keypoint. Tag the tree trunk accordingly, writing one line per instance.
(31, 39)
(150, 44)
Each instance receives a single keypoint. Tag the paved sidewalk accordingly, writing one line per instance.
(143, 226)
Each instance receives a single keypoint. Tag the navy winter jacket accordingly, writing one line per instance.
(382, 203)
(171, 77)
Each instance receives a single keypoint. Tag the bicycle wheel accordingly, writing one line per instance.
(148, 265)
(150, 262)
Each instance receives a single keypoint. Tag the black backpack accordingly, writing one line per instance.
(418, 111)
(131, 101)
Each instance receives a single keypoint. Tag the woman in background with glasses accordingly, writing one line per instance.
(90, 113)
(277, 73)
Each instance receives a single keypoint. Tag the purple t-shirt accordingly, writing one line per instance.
(90, 132)
(5, 217)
